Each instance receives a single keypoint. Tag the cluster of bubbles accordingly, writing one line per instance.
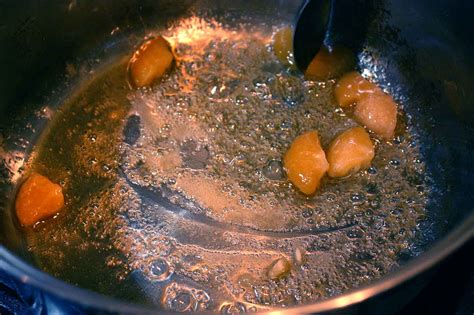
(198, 211)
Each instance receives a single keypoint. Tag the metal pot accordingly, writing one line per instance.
(424, 48)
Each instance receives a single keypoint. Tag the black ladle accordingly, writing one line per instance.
(331, 23)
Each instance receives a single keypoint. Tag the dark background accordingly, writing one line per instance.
(451, 290)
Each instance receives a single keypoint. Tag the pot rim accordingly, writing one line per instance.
(30, 275)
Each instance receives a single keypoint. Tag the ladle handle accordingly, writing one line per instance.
(310, 30)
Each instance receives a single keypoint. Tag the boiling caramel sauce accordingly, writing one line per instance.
(175, 195)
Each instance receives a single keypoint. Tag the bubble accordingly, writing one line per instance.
(241, 99)
(307, 213)
(230, 308)
(180, 298)
(330, 197)
(273, 170)
(396, 211)
(160, 270)
(285, 124)
(357, 198)
(354, 233)
(182, 302)
(210, 57)
(259, 82)
(371, 189)
(394, 162)
(375, 203)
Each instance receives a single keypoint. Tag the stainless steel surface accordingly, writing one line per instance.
(422, 48)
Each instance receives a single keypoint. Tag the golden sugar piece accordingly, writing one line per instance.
(150, 62)
(378, 112)
(351, 87)
(38, 199)
(350, 152)
(305, 162)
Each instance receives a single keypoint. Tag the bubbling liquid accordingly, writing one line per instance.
(186, 205)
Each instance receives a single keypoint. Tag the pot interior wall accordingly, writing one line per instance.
(421, 51)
